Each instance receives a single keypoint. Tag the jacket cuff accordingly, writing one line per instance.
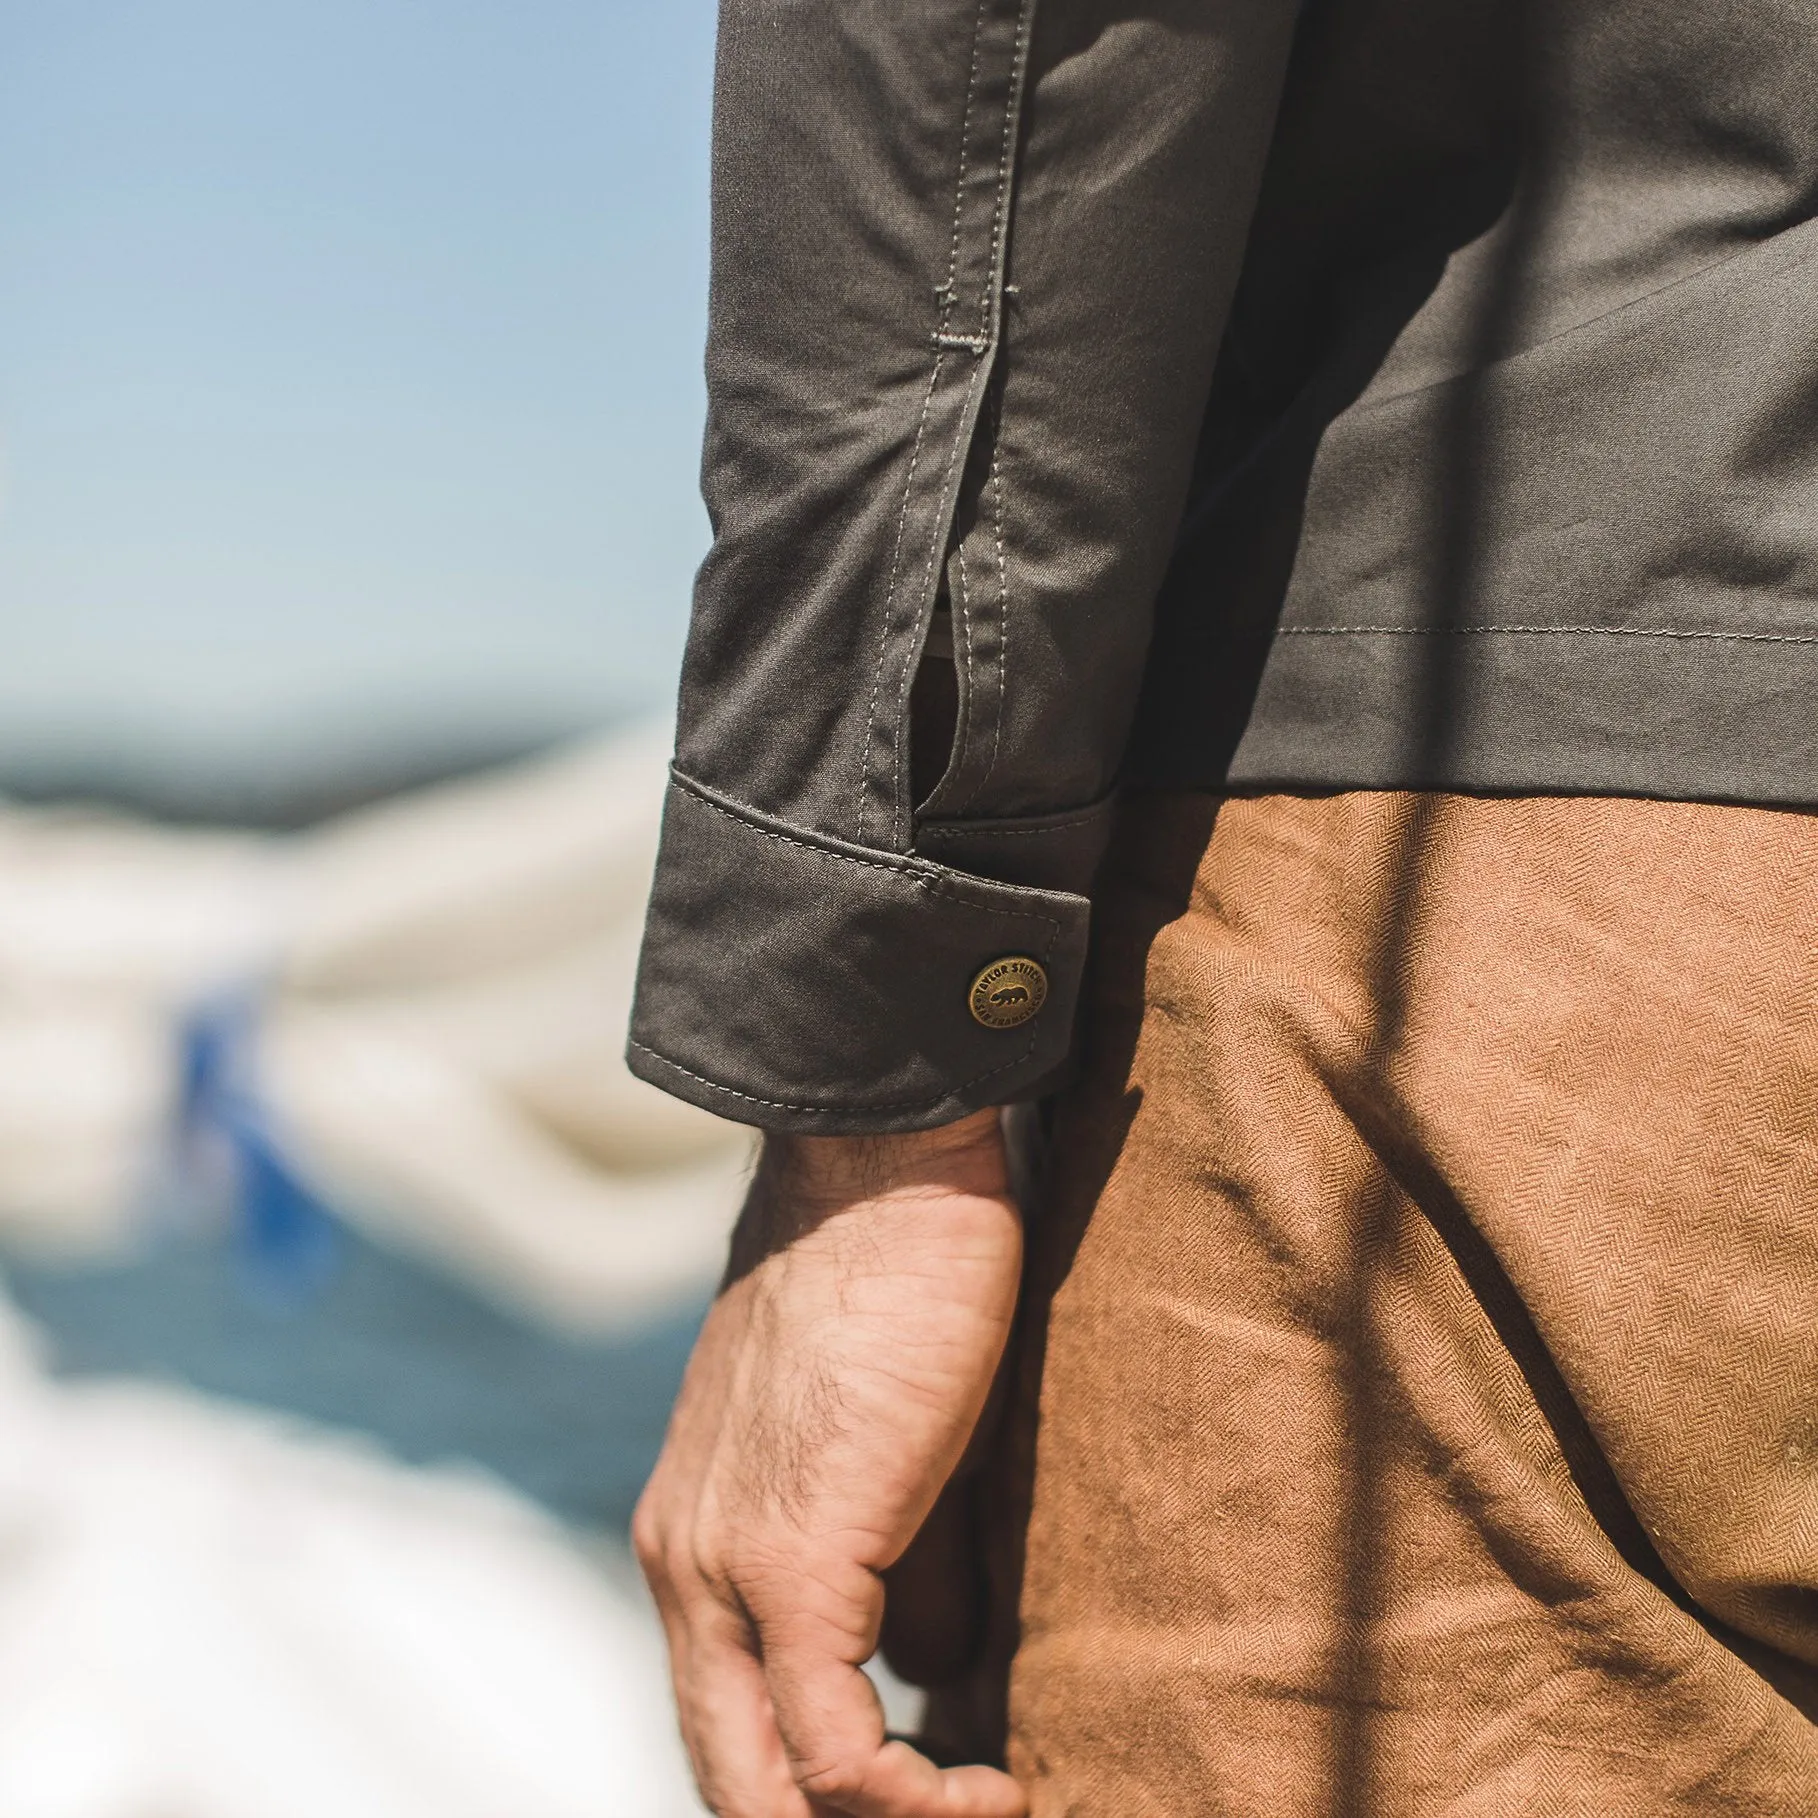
(801, 983)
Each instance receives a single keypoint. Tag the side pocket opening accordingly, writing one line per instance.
(934, 707)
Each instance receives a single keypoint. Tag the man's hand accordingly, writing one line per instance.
(834, 1387)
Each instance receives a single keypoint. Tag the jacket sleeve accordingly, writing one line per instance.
(971, 263)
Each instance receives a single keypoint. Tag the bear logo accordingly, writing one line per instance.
(1008, 992)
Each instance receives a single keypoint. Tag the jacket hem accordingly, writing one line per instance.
(1676, 712)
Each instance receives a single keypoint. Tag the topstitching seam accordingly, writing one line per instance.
(934, 886)
(1011, 833)
(999, 221)
(994, 486)
(956, 758)
(946, 294)
(1550, 631)
(936, 542)
(978, 345)
(896, 556)
(1003, 598)
(778, 1104)
(965, 153)
(1000, 216)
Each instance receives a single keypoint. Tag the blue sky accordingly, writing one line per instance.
(349, 362)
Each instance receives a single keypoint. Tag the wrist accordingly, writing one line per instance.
(803, 1182)
(966, 1156)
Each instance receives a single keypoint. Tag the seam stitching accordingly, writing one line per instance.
(937, 541)
(778, 1104)
(946, 294)
(896, 556)
(995, 488)
(959, 184)
(1003, 597)
(1001, 211)
(956, 758)
(979, 345)
(1551, 631)
(934, 886)
(1009, 833)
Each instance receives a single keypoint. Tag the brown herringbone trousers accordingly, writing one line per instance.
(1418, 1406)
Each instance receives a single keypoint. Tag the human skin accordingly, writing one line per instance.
(838, 1377)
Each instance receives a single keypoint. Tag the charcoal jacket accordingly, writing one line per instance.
(1207, 393)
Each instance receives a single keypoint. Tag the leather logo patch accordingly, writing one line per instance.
(1008, 992)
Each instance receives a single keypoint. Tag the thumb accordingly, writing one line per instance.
(832, 1727)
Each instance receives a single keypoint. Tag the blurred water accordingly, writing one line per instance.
(383, 1344)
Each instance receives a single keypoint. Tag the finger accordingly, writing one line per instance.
(832, 1728)
(728, 1725)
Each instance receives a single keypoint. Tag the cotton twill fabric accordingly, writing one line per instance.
(1418, 1408)
(971, 259)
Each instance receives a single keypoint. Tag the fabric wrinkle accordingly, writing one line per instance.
(1485, 1306)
